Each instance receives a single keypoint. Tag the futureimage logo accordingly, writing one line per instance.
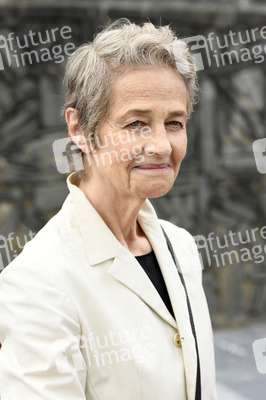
(29, 49)
(233, 47)
(9, 247)
(107, 349)
(232, 248)
(68, 156)
(259, 349)
(259, 149)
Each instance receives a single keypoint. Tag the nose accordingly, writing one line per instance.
(159, 142)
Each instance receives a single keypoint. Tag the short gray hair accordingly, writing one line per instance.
(94, 66)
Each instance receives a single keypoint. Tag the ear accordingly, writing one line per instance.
(75, 132)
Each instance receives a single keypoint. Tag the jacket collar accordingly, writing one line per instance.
(102, 244)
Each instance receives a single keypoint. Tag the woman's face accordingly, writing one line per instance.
(143, 140)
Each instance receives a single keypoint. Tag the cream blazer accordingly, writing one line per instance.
(80, 319)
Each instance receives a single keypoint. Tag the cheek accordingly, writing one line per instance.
(180, 148)
(185, 146)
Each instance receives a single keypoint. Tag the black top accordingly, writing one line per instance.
(150, 265)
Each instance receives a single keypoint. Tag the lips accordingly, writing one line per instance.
(152, 166)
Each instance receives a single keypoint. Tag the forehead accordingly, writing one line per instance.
(161, 87)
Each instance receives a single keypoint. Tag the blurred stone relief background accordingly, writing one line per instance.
(219, 196)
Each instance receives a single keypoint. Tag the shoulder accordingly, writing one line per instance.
(185, 248)
(177, 233)
(47, 251)
(37, 253)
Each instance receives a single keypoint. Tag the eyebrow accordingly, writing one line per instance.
(149, 112)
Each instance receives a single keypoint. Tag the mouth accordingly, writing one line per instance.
(153, 167)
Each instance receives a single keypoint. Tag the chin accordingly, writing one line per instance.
(153, 191)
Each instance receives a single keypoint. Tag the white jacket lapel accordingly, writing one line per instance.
(129, 272)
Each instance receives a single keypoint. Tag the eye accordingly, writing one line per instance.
(135, 124)
(176, 123)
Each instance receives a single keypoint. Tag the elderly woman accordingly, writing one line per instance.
(106, 302)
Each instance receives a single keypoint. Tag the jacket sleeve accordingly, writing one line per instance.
(40, 358)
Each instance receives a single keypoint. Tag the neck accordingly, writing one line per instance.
(119, 212)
